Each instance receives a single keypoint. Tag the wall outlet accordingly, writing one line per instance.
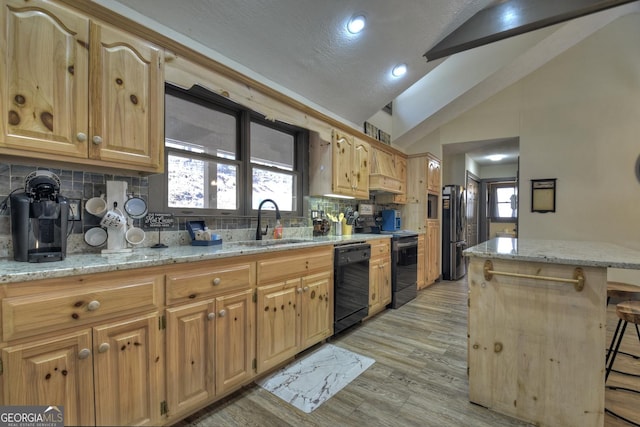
(75, 209)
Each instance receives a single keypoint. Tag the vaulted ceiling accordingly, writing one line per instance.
(301, 48)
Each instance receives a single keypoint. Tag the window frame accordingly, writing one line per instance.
(493, 202)
(244, 117)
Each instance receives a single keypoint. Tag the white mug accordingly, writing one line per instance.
(96, 206)
(135, 235)
(114, 218)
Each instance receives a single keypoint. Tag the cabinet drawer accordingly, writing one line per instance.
(208, 280)
(380, 248)
(295, 263)
(39, 313)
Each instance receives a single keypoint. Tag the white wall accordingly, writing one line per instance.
(578, 120)
(498, 171)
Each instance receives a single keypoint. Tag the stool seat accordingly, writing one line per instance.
(622, 290)
(629, 311)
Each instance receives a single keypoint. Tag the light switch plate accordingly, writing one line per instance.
(75, 209)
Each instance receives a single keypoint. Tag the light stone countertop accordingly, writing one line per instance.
(75, 264)
(593, 254)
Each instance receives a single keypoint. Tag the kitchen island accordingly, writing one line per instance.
(537, 325)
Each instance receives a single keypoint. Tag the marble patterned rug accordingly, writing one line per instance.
(310, 381)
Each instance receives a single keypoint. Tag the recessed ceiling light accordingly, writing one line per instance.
(496, 157)
(399, 70)
(356, 24)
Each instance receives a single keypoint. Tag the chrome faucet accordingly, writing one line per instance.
(259, 232)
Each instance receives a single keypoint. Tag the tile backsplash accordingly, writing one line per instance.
(83, 185)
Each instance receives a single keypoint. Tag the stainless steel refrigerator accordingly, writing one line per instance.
(454, 265)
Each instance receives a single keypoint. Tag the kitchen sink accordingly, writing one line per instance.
(270, 242)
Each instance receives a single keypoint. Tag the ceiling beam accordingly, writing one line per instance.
(513, 17)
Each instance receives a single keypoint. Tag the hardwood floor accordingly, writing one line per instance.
(419, 378)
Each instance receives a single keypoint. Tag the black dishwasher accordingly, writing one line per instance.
(351, 284)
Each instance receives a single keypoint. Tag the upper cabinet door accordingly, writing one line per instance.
(361, 169)
(43, 78)
(127, 90)
(343, 161)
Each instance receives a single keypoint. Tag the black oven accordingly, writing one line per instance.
(351, 284)
(404, 268)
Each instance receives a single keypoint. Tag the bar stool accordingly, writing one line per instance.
(622, 292)
(627, 312)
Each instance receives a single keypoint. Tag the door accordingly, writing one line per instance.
(235, 346)
(127, 372)
(44, 78)
(316, 311)
(190, 354)
(473, 209)
(127, 90)
(277, 323)
(343, 152)
(57, 372)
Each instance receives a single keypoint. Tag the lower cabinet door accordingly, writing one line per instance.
(277, 323)
(128, 369)
(52, 372)
(190, 355)
(235, 342)
(317, 309)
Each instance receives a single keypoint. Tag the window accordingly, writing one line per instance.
(503, 201)
(223, 158)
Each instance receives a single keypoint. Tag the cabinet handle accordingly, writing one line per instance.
(299, 290)
(82, 137)
(93, 305)
(84, 353)
(222, 313)
(104, 347)
(211, 316)
(97, 140)
(216, 281)
(305, 289)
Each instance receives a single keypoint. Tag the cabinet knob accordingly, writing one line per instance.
(216, 281)
(81, 137)
(93, 305)
(104, 347)
(97, 140)
(299, 290)
(222, 313)
(211, 316)
(84, 353)
(305, 289)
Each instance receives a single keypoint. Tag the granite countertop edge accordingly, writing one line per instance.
(579, 253)
(79, 264)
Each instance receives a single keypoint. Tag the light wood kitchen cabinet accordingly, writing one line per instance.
(340, 167)
(295, 304)
(78, 91)
(422, 261)
(433, 251)
(128, 370)
(434, 174)
(210, 349)
(53, 371)
(379, 276)
(103, 355)
(118, 364)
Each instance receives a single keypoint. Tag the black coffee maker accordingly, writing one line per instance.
(39, 219)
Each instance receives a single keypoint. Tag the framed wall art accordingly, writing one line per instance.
(543, 195)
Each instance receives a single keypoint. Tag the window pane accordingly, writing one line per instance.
(506, 202)
(277, 186)
(194, 127)
(194, 183)
(271, 147)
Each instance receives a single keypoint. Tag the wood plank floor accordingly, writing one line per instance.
(419, 378)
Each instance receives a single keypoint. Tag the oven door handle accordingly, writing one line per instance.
(407, 245)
